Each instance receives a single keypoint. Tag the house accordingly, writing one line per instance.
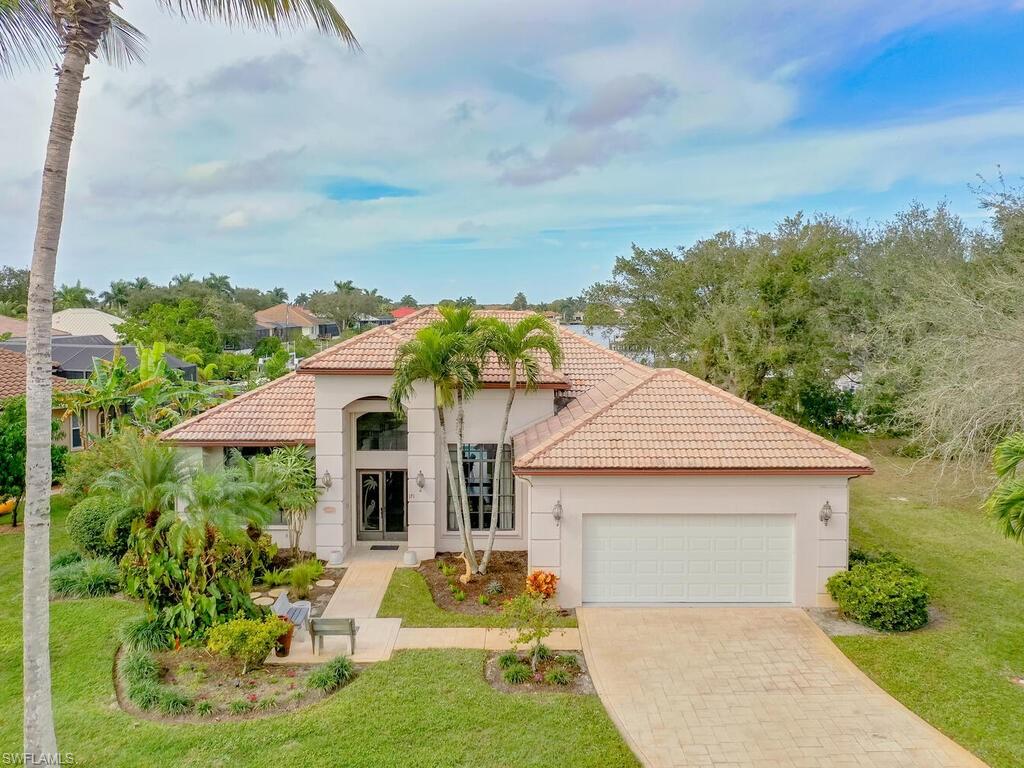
(73, 356)
(363, 320)
(15, 328)
(84, 321)
(286, 321)
(401, 312)
(633, 484)
(13, 366)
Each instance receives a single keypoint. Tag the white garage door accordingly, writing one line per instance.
(687, 558)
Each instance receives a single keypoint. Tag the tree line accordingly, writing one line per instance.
(912, 326)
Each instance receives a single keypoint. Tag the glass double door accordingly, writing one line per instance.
(381, 505)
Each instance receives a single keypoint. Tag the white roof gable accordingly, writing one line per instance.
(84, 321)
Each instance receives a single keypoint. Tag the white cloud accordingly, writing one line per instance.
(233, 220)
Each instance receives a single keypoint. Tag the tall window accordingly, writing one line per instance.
(76, 432)
(478, 460)
(380, 432)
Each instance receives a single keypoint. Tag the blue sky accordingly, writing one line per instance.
(481, 149)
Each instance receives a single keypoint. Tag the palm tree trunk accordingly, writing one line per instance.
(40, 738)
(463, 493)
(460, 520)
(496, 504)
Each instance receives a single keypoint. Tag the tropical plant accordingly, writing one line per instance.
(151, 477)
(295, 490)
(542, 584)
(302, 576)
(12, 309)
(447, 355)
(71, 296)
(74, 32)
(13, 429)
(1006, 501)
(519, 348)
(332, 675)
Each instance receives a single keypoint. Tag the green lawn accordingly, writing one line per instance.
(956, 675)
(408, 598)
(421, 708)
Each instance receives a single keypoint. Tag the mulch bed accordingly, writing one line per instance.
(507, 568)
(319, 597)
(270, 690)
(580, 684)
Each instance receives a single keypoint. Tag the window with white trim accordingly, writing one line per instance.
(76, 432)
(478, 460)
(381, 431)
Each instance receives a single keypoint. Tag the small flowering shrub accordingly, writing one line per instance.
(542, 584)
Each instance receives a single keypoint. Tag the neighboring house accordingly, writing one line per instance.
(370, 321)
(286, 321)
(18, 329)
(83, 321)
(633, 484)
(12, 384)
(401, 312)
(73, 356)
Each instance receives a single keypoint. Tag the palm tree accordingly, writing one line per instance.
(141, 284)
(71, 296)
(12, 309)
(517, 347)
(295, 490)
(1006, 502)
(75, 31)
(446, 361)
(152, 478)
(117, 297)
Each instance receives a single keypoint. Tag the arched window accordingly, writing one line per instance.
(380, 432)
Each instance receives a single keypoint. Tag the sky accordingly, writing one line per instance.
(480, 148)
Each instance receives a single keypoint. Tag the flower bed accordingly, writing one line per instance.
(563, 672)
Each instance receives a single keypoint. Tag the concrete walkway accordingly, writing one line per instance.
(748, 687)
(359, 596)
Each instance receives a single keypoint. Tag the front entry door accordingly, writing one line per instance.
(381, 505)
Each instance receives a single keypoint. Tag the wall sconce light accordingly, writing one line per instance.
(826, 513)
(421, 481)
(556, 511)
(326, 481)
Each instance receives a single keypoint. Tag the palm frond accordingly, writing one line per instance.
(28, 35)
(275, 15)
(1008, 455)
(123, 44)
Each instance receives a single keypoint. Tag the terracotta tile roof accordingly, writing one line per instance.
(586, 363)
(374, 351)
(278, 413)
(286, 314)
(12, 375)
(669, 421)
(401, 312)
(19, 328)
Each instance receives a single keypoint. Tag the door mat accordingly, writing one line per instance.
(388, 547)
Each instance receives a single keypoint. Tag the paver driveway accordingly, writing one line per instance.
(748, 687)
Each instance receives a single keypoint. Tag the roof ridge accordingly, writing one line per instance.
(210, 411)
(379, 330)
(578, 424)
(756, 409)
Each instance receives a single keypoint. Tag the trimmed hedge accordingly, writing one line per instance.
(87, 525)
(883, 594)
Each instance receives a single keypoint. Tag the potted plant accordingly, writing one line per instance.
(283, 645)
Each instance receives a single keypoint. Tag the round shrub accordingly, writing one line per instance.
(88, 522)
(247, 640)
(883, 595)
(93, 577)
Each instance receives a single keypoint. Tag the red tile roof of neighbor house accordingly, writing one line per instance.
(668, 421)
(622, 417)
(290, 315)
(13, 366)
(19, 328)
(401, 312)
(278, 413)
(373, 352)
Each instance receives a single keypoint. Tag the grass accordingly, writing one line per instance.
(955, 675)
(420, 708)
(408, 598)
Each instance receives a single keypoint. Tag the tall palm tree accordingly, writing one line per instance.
(117, 296)
(153, 476)
(1006, 502)
(75, 31)
(71, 296)
(450, 366)
(517, 347)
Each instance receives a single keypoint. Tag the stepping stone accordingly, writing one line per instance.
(254, 595)
(264, 601)
(325, 583)
(278, 591)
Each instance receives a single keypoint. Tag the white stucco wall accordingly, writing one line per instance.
(820, 550)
